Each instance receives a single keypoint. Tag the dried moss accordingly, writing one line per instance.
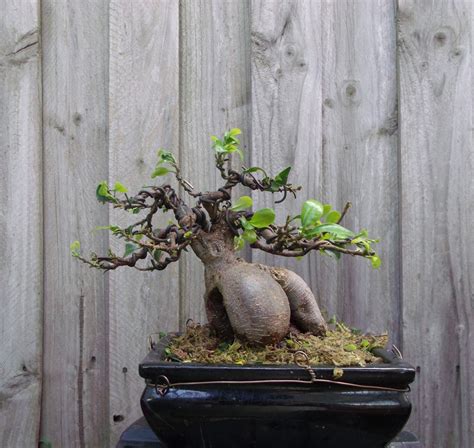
(340, 347)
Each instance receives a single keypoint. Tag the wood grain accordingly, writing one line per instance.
(75, 55)
(21, 275)
(214, 97)
(324, 102)
(359, 158)
(286, 107)
(436, 104)
(143, 116)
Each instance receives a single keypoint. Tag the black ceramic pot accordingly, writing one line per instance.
(239, 408)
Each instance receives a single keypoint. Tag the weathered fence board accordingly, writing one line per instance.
(143, 115)
(21, 275)
(75, 56)
(359, 157)
(286, 106)
(214, 96)
(324, 102)
(436, 100)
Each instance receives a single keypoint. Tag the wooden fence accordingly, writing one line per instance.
(369, 101)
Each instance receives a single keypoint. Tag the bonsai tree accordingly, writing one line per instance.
(252, 302)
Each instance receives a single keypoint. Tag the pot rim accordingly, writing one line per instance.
(393, 372)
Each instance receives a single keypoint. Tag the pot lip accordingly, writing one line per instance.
(393, 372)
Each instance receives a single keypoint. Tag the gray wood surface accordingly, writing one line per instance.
(437, 194)
(359, 158)
(286, 107)
(21, 269)
(75, 66)
(214, 96)
(143, 116)
(325, 103)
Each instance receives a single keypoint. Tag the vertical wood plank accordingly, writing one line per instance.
(215, 96)
(143, 116)
(437, 161)
(359, 156)
(324, 101)
(75, 49)
(286, 107)
(21, 276)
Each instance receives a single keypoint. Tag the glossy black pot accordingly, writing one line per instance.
(366, 407)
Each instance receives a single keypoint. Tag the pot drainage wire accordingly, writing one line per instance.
(163, 385)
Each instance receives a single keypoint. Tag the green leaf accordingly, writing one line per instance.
(165, 156)
(75, 247)
(263, 218)
(250, 236)
(376, 261)
(235, 131)
(326, 209)
(311, 211)
(242, 203)
(188, 234)
(364, 343)
(245, 224)
(282, 177)
(333, 217)
(238, 242)
(160, 171)
(120, 187)
(129, 249)
(103, 193)
(350, 347)
(334, 229)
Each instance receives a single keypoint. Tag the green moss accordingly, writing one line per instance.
(340, 347)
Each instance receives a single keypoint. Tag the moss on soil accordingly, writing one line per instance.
(341, 347)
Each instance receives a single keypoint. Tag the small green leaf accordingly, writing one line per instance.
(165, 156)
(245, 224)
(75, 247)
(103, 193)
(350, 347)
(333, 229)
(129, 249)
(326, 209)
(250, 236)
(311, 211)
(364, 343)
(235, 131)
(333, 217)
(282, 177)
(188, 234)
(263, 218)
(239, 242)
(120, 187)
(160, 171)
(376, 261)
(242, 203)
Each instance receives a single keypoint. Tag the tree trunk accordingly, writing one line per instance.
(252, 302)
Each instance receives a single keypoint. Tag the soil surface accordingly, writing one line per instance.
(340, 347)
